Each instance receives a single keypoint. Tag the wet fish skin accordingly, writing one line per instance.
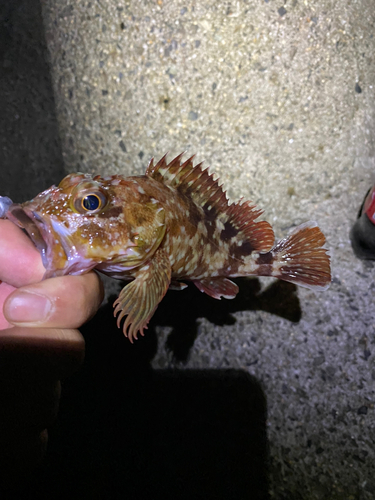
(156, 230)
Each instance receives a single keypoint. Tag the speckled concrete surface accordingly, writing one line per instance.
(279, 100)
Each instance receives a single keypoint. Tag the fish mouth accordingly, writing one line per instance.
(18, 215)
(59, 255)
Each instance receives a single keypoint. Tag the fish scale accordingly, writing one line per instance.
(160, 229)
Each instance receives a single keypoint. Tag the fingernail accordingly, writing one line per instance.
(26, 307)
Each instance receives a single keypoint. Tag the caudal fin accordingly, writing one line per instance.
(301, 259)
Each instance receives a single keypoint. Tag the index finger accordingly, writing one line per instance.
(20, 261)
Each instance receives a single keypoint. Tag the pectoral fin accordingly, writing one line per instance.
(139, 299)
(217, 287)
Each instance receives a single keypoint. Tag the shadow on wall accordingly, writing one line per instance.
(182, 309)
(127, 431)
(30, 153)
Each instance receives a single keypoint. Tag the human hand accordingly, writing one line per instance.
(39, 345)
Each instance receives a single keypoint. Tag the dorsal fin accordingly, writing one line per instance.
(242, 219)
(237, 219)
(191, 180)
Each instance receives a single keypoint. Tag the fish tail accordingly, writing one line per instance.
(300, 258)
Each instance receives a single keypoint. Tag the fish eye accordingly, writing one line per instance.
(91, 202)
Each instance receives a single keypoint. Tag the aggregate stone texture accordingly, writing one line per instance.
(278, 98)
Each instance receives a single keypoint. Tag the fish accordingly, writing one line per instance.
(158, 230)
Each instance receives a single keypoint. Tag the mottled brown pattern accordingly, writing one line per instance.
(240, 251)
(265, 259)
(173, 223)
(228, 232)
(112, 212)
(264, 262)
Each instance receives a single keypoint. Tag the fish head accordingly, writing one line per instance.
(87, 222)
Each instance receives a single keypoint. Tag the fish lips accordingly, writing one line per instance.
(59, 255)
(33, 225)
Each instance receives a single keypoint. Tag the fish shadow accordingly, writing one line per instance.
(181, 310)
(149, 434)
(126, 430)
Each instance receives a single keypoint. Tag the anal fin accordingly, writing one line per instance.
(217, 287)
(139, 299)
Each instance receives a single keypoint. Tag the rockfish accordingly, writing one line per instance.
(159, 229)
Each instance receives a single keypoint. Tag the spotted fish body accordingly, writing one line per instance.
(172, 224)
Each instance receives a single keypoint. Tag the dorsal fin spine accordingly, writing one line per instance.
(150, 165)
(205, 191)
(186, 164)
(162, 163)
(202, 179)
(177, 171)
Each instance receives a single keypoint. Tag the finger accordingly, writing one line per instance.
(20, 261)
(63, 302)
(5, 290)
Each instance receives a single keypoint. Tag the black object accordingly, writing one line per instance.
(362, 234)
